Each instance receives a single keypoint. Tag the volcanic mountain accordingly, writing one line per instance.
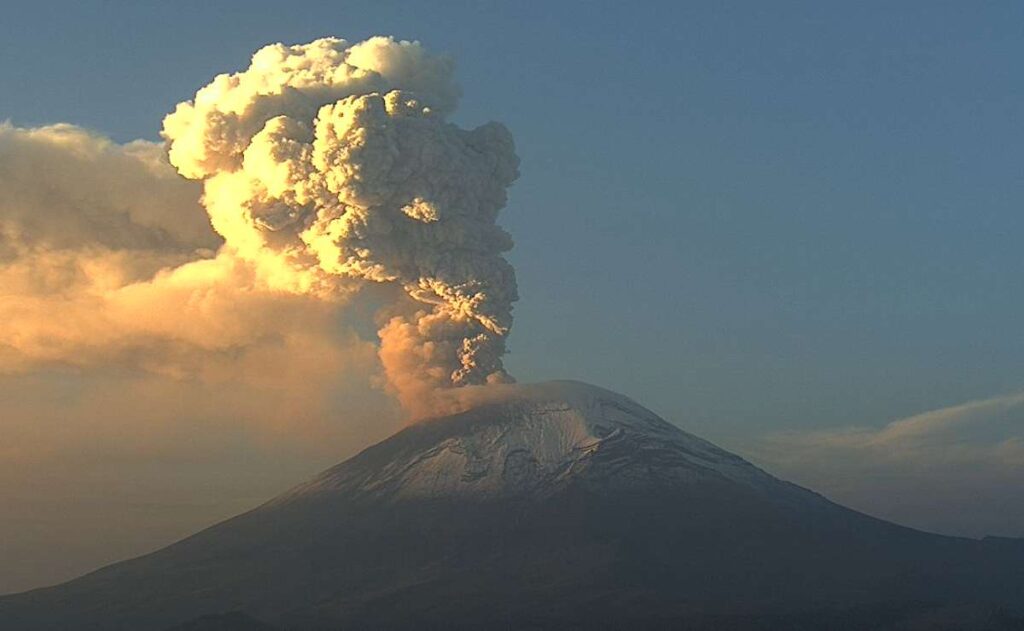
(552, 506)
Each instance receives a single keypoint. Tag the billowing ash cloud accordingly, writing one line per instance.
(138, 344)
(330, 167)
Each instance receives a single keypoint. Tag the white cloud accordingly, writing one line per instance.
(957, 470)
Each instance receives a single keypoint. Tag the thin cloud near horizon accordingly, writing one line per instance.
(954, 470)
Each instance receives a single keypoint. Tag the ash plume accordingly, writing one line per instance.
(330, 167)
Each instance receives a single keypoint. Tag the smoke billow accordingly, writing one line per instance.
(158, 329)
(330, 167)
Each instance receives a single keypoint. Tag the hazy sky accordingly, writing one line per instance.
(783, 226)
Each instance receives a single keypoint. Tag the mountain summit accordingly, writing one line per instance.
(532, 441)
(556, 505)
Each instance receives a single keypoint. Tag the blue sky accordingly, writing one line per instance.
(747, 216)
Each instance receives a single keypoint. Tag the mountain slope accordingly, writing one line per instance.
(534, 440)
(550, 506)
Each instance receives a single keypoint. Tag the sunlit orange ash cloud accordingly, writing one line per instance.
(328, 174)
(330, 166)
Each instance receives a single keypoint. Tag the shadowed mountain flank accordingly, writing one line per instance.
(557, 505)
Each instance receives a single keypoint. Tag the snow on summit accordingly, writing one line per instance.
(532, 440)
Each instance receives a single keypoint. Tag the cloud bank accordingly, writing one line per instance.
(139, 358)
(913, 470)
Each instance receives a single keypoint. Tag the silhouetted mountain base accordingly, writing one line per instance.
(558, 507)
(232, 621)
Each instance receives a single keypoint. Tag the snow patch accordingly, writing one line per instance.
(532, 439)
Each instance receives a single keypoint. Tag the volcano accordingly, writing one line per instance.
(552, 506)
